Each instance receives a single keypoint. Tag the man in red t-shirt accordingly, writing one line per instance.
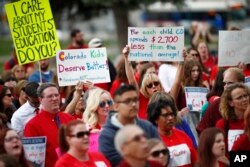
(48, 121)
(77, 40)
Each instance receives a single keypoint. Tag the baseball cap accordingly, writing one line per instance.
(95, 43)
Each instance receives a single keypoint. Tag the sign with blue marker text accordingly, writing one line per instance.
(82, 65)
(33, 30)
(156, 43)
(195, 97)
(233, 48)
(35, 149)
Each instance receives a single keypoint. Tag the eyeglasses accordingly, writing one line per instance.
(155, 83)
(129, 101)
(8, 94)
(137, 138)
(166, 115)
(12, 138)
(195, 54)
(242, 97)
(81, 134)
(51, 96)
(158, 152)
(103, 103)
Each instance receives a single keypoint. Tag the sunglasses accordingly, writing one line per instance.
(155, 83)
(81, 134)
(158, 152)
(9, 95)
(103, 103)
(138, 138)
(195, 54)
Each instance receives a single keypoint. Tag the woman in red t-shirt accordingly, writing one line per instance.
(211, 148)
(74, 143)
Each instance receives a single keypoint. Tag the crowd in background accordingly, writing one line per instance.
(138, 119)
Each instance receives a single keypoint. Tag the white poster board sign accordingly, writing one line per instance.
(156, 43)
(247, 81)
(233, 48)
(81, 65)
(195, 97)
(35, 149)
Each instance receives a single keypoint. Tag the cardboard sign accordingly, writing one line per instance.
(234, 47)
(156, 43)
(33, 30)
(81, 65)
(247, 81)
(195, 97)
(35, 149)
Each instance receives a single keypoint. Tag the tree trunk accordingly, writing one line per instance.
(121, 20)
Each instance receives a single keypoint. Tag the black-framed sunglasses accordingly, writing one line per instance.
(8, 94)
(155, 83)
(81, 134)
(103, 103)
(158, 152)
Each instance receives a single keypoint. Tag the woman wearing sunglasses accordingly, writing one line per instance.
(98, 105)
(6, 107)
(158, 152)
(74, 143)
(150, 83)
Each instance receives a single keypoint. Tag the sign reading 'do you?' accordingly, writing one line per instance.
(82, 65)
(33, 30)
(156, 43)
(195, 97)
(35, 149)
(234, 47)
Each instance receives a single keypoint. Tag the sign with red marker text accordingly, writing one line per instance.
(156, 43)
(234, 48)
(35, 149)
(33, 30)
(195, 97)
(82, 65)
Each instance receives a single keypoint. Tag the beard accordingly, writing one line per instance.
(79, 42)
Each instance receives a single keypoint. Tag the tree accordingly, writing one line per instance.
(120, 8)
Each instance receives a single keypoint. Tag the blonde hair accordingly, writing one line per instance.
(90, 114)
(227, 111)
(147, 79)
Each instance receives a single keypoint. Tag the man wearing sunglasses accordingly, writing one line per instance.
(48, 121)
(132, 144)
(212, 115)
(126, 106)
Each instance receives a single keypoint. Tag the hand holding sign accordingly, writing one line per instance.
(125, 52)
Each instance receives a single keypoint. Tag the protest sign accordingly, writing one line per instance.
(33, 30)
(247, 81)
(82, 65)
(35, 148)
(156, 43)
(195, 97)
(233, 48)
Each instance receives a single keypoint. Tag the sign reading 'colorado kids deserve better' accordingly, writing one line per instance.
(33, 30)
(156, 43)
(82, 65)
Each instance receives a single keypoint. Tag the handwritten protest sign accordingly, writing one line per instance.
(156, 43)
(195, 97)
(81, 65)
(33, 30)
(247, 81)
(35, 148)
(234, 47)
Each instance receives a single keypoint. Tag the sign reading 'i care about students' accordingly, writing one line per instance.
(33, 30)
(82, 65)
(156, 43)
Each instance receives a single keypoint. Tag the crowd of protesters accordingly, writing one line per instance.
(139, 119)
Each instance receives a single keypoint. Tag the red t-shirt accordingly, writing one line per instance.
(209, 64)
(73, 47)
(95, 159)
(182, 151)
(143, 104)
(242, 143)
(235, 129)
(43, 124)
(150, 164)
